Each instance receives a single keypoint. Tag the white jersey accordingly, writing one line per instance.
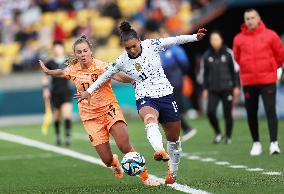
(146, 69)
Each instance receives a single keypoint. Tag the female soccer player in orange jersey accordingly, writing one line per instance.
(102, 116)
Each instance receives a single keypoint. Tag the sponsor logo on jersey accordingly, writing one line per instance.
(138, 67)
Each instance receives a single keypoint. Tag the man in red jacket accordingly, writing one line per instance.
(259, 52)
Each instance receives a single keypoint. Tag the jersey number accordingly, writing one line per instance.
(85, 86)
(143, 76)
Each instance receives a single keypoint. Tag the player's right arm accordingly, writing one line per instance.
(111, 70)
(55, 72)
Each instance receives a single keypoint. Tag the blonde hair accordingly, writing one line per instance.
(72, 59)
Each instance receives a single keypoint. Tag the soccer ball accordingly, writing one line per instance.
(133, 163)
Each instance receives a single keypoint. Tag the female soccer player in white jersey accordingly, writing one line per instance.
(154, 94)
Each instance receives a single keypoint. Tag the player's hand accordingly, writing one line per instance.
(133, 83)
(82, 96)
(43, 67)
(201, 33)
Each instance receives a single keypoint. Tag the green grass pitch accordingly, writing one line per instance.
(25, 169)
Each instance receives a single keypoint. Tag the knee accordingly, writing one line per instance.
(150, 118)
(124, 148)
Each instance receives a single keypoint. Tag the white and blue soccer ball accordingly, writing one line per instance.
(133, 163)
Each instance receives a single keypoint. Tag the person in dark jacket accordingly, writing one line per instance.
(60, 93)
(259, 53)
(175, 63)
(220, 84)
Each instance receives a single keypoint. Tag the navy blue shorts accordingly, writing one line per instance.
(166, 106)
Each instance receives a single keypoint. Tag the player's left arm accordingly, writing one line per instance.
(166, 42)
(122, 77)
(111, 70)
(278, 49)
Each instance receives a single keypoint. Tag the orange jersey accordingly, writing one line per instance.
(101, 98)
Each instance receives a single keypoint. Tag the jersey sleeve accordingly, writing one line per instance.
(162, 43)
(67, 73)
(110, 70)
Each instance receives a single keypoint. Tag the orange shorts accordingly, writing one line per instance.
(98, 128)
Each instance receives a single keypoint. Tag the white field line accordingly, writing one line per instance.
(25, 156)
(84, 157)
(272, 173)
(254, 169)
(190, 156)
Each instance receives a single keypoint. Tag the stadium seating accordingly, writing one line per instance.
(101, 28)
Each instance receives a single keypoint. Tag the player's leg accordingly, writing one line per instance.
(109, 159)
(213, 100)
(66, 109)
(150, 117)
(251, 94)
(119, 132)
(172, 132)
(56, 117)
(99, 138)
(170, 120)
(227, 100)
(268, 94)
(118, 129)
(188, 131)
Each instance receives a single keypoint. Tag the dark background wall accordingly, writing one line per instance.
(229, 24)
(271, 12)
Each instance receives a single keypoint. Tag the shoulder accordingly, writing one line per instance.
(152, 42)
(74, 67)
(206, 54)
(100, 64)
(121, 59)
(271, 33)
(238, 36)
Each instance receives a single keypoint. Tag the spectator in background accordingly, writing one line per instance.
(220, 84)
(111, 9)
(8, 31)
(175, 63)
(259, 52)
(58, 32)
(60, 93)
(31, 15)
(66, 5)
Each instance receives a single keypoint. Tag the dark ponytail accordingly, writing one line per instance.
(126, 32)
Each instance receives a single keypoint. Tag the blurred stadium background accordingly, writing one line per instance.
(28, 28)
